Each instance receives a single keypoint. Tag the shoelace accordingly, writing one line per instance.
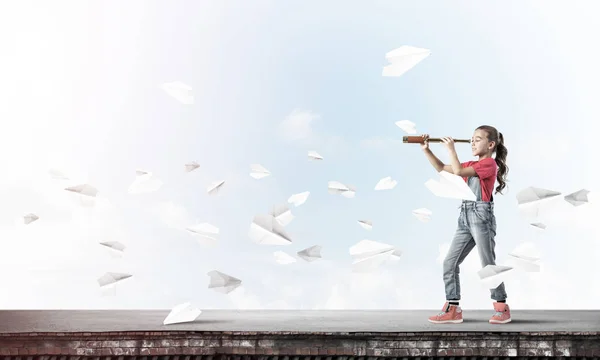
(498, 313)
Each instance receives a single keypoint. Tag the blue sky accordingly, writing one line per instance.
(93, 104)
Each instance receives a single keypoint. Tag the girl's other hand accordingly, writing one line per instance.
(425, 144)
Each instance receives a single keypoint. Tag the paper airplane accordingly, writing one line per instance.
(282, 214)
(182, 313)
(369, 255)
(366, 224)
(207, 234)
(313, 155)
(108, 282)
(57, 174)
(336, 187)
(310, 254)
(189, 167)
(408, 127)
(539, 225)
(403, 59)
(422, 214)
(283, 258)
(493, 275)
(525, 257)
(29, 218)
(531, 201)
(578, 198)
(450, 186)
(83, 189)
(524, 264)
(386, 184)
(257, 171)
(144, 182)
(214, 187)
(115, 248)
(266, 230)
(299, 199)
(223, 283)
(533, 194)
(179, 91)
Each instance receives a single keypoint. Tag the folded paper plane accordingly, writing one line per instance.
(450, 186)
(403, 59)
(223, 283)
(182, 313)
(179, 91)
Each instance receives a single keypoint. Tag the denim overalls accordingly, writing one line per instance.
(476, 226)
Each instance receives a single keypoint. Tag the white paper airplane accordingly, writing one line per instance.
(577, 198)
(493, 275)
(282, 214)
(408, 127)
(366, 224)
(189, 167)
(369, 255)
(533, 194)
(29, 218)
(299, 199)
(144, 182)
(207, 234)
(83, 189)
(524, 264)
(214, 187)
(182, 313)
(450, 186)
(422, 214)
(311, 253)
(57, 174)
(336, 187)
(403, 59)
(266, 230)
(532, 201)
(313, 155)
(386, 184)
(111, 278)
(539, 225)
(180, 91)
(525, 257)
(257, 171)
(223, 283)
(115, 248)
(283, 258)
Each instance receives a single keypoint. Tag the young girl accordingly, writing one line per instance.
(477, 222)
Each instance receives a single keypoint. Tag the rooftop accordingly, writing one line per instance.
(317, 321)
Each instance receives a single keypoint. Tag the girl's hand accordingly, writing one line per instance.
(425, 144)
(449, 143)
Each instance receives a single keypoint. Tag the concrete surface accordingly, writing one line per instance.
(14, 321)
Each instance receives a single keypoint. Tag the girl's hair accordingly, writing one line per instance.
(501, 152)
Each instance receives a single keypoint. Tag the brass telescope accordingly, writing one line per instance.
(419, 140)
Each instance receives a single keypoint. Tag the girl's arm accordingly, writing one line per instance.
(437, 163)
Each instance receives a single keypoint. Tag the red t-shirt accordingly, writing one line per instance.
(486, 170)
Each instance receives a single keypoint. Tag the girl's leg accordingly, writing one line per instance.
(483, 229)
(461, 246)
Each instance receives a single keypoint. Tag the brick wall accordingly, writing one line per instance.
(301, 346)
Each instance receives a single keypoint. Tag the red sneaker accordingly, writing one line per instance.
(451, 314)
(502, 315)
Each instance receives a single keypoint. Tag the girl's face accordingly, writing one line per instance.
(480, 144)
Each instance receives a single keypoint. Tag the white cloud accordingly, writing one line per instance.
(298, 125)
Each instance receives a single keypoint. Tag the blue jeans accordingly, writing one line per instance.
(476, 226)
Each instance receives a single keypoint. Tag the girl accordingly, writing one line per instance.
(477, 222)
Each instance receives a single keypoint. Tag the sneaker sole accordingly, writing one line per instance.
(500, 321)
(446, 321)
